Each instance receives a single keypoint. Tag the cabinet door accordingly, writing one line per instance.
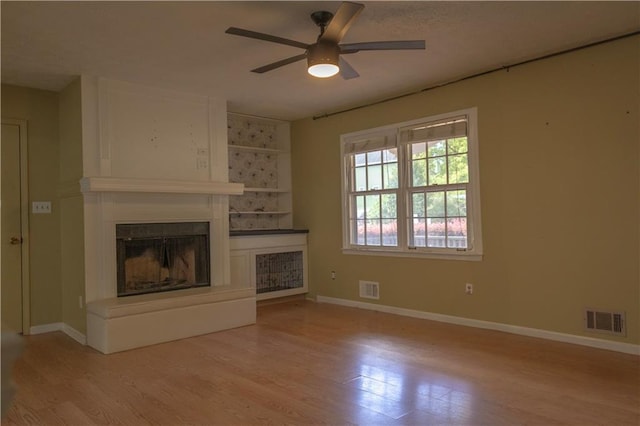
(241, 269)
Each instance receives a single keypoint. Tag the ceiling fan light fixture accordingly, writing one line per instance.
(323, 70)
(322, 60)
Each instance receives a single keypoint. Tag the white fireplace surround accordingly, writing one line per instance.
(155, 156)
(109, 208)
(115, 324)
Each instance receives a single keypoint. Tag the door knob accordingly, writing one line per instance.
(15, 240)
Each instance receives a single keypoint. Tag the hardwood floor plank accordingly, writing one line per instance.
(305, 363)
(65, 413)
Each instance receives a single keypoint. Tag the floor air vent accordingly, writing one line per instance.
(605, 322)
(369, 290)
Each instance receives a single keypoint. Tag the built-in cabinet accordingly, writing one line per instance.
(274, 264)
(266, 253)
(259, 157)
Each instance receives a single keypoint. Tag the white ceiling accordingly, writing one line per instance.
(183, 46)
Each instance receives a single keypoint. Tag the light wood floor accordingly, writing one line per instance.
(306, 363)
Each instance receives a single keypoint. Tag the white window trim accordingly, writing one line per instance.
(474, 252)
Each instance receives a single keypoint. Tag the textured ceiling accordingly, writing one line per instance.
(182, 46)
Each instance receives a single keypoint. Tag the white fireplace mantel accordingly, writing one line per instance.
(158, 186)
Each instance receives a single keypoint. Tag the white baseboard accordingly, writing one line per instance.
(59, 326)
(46, 328)
(627, 348)
(74, 334)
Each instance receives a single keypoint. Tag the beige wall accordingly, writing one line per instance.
(559, 165)
(40, 109)
(55, 167)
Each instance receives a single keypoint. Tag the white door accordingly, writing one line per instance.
(13, 226)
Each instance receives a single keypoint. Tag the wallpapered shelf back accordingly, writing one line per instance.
(256, 169)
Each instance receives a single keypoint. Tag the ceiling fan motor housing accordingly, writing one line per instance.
(323, 53)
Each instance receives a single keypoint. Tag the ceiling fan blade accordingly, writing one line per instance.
(341, 21)
(280, 63)
(346, 70)
(382, 45)
(265, 37)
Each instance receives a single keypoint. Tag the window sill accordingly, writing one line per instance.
(464, 256)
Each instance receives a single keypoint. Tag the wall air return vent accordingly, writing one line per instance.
(369, 290)
(605, 321)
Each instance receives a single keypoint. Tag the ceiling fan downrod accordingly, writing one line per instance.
(321, 18)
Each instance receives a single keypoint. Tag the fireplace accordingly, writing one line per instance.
(155, 216)
(158, 257)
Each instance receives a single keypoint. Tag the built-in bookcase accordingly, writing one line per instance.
(259, 157)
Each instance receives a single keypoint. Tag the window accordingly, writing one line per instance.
(412, 188)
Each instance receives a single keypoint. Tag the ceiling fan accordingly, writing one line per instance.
(324, 56)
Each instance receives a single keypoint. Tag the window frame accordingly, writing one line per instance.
(356, 142)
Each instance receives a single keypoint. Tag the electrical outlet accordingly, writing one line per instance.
(38, 207)
(333, 275)
(468, 288)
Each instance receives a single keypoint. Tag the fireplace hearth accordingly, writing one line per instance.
(158, 257)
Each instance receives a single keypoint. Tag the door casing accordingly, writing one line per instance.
(24, 221)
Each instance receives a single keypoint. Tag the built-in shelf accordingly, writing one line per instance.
(249, 212)
(255, 149)
(280, 190)
(241, 232)
(265, 231)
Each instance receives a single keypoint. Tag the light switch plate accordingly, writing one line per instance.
(38, 207)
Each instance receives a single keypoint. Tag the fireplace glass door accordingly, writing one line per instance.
(156, 257)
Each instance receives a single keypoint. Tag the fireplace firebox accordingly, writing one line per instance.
(157, 257)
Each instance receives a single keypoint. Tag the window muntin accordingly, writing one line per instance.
(375, 170)
(412, 188)
(439, 162)
(439, 219)
(374, 212)
(440, 169)
(376, 222)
